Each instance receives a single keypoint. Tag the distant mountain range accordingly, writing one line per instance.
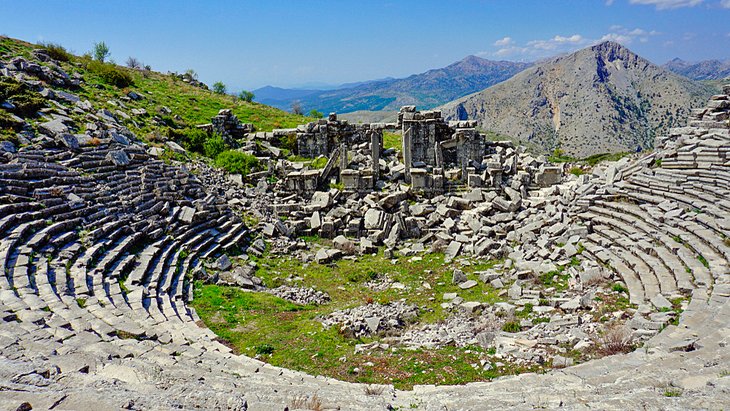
(425, 90)
(703, 70)
(600, 99)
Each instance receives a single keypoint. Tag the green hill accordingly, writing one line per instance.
(171, 104)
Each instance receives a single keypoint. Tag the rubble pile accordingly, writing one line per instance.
(372, 319)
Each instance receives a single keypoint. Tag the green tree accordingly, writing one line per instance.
(315, 114)
(246, 96)
(219, 87)
(101, 51)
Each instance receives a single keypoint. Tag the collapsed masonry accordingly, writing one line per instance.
(436, 156)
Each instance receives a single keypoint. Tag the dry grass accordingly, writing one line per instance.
(374, 390)
(616, 340)
(305, 402)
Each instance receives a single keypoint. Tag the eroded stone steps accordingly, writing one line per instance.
(617, 265)
(662, 232)
(668, 268)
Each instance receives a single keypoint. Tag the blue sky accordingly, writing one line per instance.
(248, 44)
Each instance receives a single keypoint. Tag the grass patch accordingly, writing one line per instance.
(237, 162)
(289, 335)
(673, 392)
(319, 162)
(703, 260)
(392, 140)
(577, 171)
(512, 327)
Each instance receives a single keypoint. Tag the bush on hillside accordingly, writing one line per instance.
(214, 145)
(193, 139)
(26, 101)
(110, 74)
(56, 51)
(237, 162)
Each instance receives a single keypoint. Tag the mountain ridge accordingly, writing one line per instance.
(712, 69)
(426, 90)
(603, 98)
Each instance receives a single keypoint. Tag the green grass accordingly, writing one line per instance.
(289, 335)
(577, 171)
(703, 260)
(392, 140)
(558, 156)
(673, 392)
(619, 288)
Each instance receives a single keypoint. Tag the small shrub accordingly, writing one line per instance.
(512, 327)
(27, 102)
(289, 143)
(374, 389)
(305, 403)
(133, 63)
(526, 310)
(319, 162)
(616, 340)
(110, 74)
(264, 349)
(315, 114)
(296, 108)
(214, 146)
(56, 51)
(236, 162)
(619, 288)
(81, 302)
(194, 139)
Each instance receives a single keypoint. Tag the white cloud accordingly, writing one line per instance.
(504, 42)
(609, 2)
(669, 4)
(725, 4)
(559, 44)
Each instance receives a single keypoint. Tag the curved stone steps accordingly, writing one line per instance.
(662, 232)
(618, 266)
(636, 244)
(662, 246)
(656, 197)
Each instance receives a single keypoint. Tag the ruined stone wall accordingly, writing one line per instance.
(320, 138)
(230, 127)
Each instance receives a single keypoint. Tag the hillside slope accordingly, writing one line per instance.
(162, 103)
(600, 99)
(426, 90)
